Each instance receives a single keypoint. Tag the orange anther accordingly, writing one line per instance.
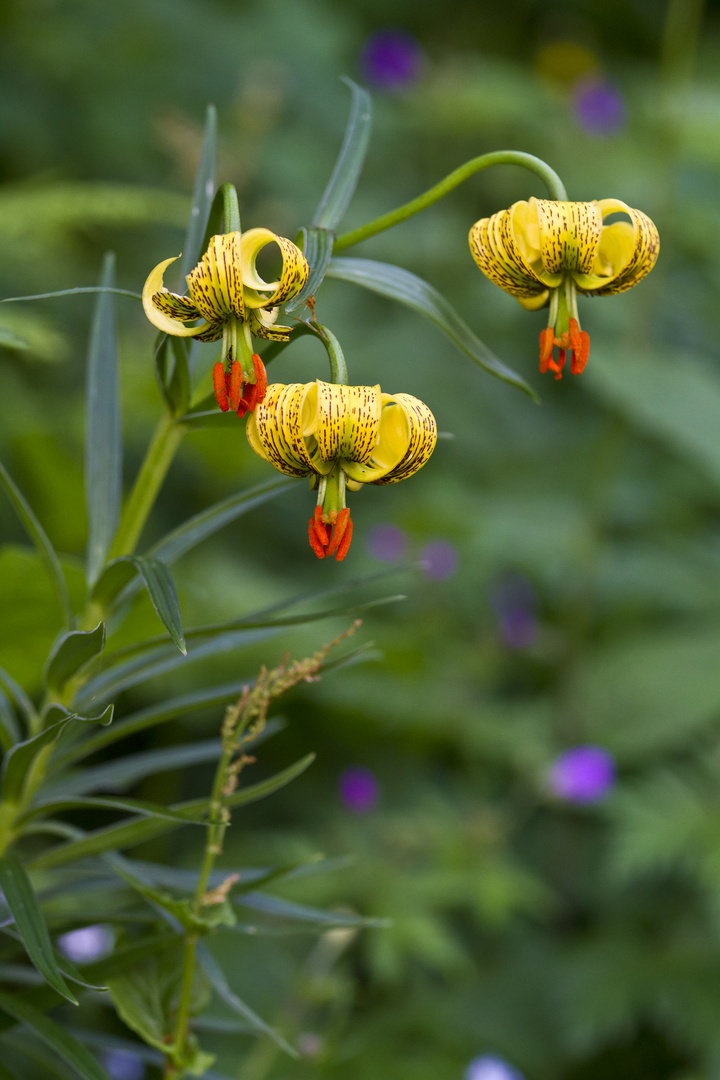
(235, 388)
(547, 340)
(219, 386)
(340, 526)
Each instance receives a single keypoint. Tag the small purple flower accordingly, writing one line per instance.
(440, 558)
(122, 1065)
(490, 1067)
(518, 628)
(359, 789)
(599, 107)
(391, 59)
(583, 774)
(87, 944)
(387, 543)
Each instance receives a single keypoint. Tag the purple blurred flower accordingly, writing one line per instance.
(87, 944)
(440, 558)
(490, 1067)
(387, 543)
(518, 628)
(359, 789)
(599, 107)
(122, 1065)
(583, 774)
(391, 59)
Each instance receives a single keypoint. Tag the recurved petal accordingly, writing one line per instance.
(569, 235)
(423, 436)
(628, 251)
(496, 251)
(160, 305)
(275, 429)
(293, 275)
(263, 325)
(215, 283)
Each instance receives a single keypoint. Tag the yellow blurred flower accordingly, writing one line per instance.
(343, 437)
(544, 251)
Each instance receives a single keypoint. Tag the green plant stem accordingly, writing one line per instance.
(553, 182)
(338, 367)
(213, 847)
(168, 436)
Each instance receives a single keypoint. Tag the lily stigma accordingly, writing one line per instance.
(544, 251)
(233, 302)
(342, 437)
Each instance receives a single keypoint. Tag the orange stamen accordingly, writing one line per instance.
(340, 526)
(574, 340)
(235, 387)
(221, 394)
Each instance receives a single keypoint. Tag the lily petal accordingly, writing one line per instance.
(215, 284)
(293, 275)
(629, 250)
(275, 429)
(569, 234)
(154, 288)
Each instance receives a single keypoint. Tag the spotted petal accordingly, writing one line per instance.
(406, 440)
(293, 275)
(275, 429)
(627, 252)
(159, 305)
(215, 284)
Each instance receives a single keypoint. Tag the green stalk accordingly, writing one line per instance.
(338, 367)
(160, 453)
(551, 179)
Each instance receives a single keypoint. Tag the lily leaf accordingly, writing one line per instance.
(30, 923)
(17, 763)
(172, 368)
(134, 831)
(120, 774)
(9, 728)
(159, 583)
(54, 1035)
(132, 806)
(406, 288)
(287, 909)
(103, 440)
(70, 653)
(203, 194)
(220, 985)
(18, 696)
(346, 173)
(41, 541)
(317, 246)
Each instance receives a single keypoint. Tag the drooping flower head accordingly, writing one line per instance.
(228, 296)
(544, 251)
(342, 437)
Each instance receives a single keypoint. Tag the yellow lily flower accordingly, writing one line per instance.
(544, 251)
(226, 292)
(342, 437)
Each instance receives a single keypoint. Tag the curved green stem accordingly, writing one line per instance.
(338, 367)
(553, 182)
(160, 453)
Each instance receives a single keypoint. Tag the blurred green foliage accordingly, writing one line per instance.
(580, 942)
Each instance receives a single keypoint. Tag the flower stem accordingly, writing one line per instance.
(160, 453)
(338, 367)
(553, 182)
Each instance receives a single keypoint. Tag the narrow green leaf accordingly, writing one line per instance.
(71, 652)
(103, 438)
(172, 368)
(16, 765)
(132, 806)
(9, 340)
(18, 696)
(410, 290)
(73, 292)
(317, 246)
(203, 194)
(346, 173)
(55, 1036)
(159, 583)
(134, 831)
(287, 909)
(9, 728)
(125, 771)
(30, 923)
(40, 539)
(221, 987)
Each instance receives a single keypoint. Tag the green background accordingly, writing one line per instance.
(580, 943)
